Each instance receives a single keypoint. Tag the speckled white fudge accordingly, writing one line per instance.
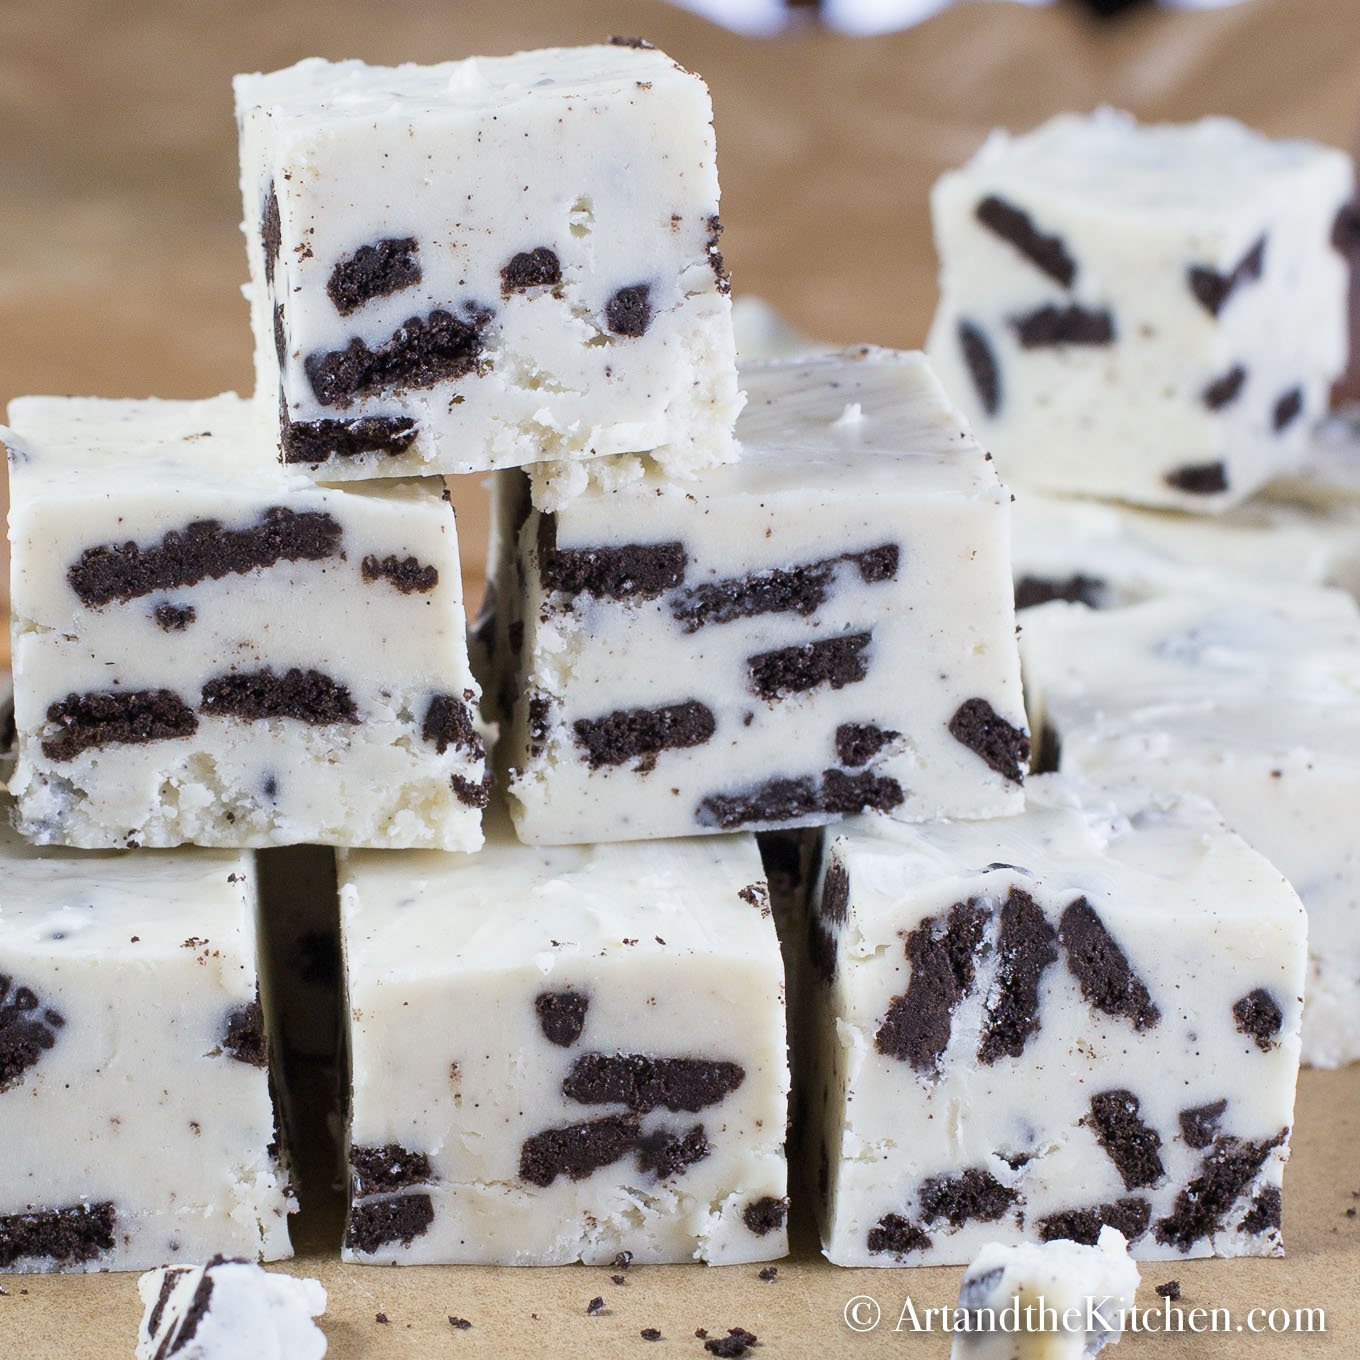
(823, 627)
(226, 1310)
(1249, 699)
(134, 1092)
(487, 262)
(209, 648)
(592, 1062)
(1006, 1293)
(1034, 1026)
(1153, 314)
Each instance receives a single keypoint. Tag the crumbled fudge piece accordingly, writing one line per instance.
(1005, 1289)
(530, 271)
(283, 710)
(228, 1309)
(1247, 699)
(1151, 314)
(824, 628)
(1004, 989)
(602, 1079)
(131, 1024)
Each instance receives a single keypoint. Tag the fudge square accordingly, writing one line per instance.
(1247, 698)
(1152, 314)
(134, 1079)
(488, 262)
(592, 1062)
(823, 627)
(209, 648)
(1036, 1026)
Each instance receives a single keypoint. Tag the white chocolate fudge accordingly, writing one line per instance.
(1251, 700)
(227, 1310)
(1056, 1300)
(134, 1083)
(1328, 475)
(1105, 555)
(1035, 1026)
(1145, 313)
(824, 627)
(593, 1062)
(209, 648)
(488, 262)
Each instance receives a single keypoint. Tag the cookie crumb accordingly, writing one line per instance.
(1170, 1290)
(736, 1343)
(623, 1260)
(769, 1274)
(461, 1323)
(650, 1334)
(380, 1317)
(595, 1306)
(617, 1279)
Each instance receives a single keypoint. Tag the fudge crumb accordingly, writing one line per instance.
(771, 1273)
(736, 1343)
(380, 1317)
(618, 1279)
(1170, 1290)
(460, 1323)
(650, 1334)
(595, 1306)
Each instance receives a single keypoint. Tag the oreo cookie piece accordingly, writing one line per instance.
(1200, 479)
(375, 1223)
(642, 1083)
(28, 1029)
(664, 1154)
(982, 366)
(835, 662)
(629, 311)
(1212, 289)
(561, 1016)
(309, 696)
(536, 268)
(858, 743)
(634, 571)
(1026, 946)
(1102, 969)
(116, 718)
(897, 1236)
(1003, 746)
(1131, 1216)
(835, 899)
(1076, 589)
(271, 232)
(1209, 1198)
(972, 1195)
(792, 800)
(1258, 1014)
(1225, 390)
(407, 574)
(380, 1170)
(1072, 324)
(764, 1216)
(1199, 1124)
(315, 441)
(67, 1236)
(374, 271)
(244, 1038)
(1046, 252)
(618, 737)
(578, 1150)
(1287, 410)
(448, 722)
(174, 618)
(1132, 1145)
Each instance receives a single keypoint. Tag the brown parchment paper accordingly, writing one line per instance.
(120, 268)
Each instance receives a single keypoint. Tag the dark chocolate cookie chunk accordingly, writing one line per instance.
(629, 311)
(374, 271)
(1133, 1146)
(763, 1216)
(174, 618)
(858, 743)
(202, 551)
(897, 1235)
(1026, 946)
(28, 1029)
(971, 1195)
(1199, 479)
(1345, 236)
(374, 1170)
(469, 793)
(618, 40)
(116, 718)
(419, 354)
(836, 662)
(632, 571)
(835, 902)
(1069, 325)
(877, 564)
(1048, 253)
(314, 441)
(1102, 969)
(1287, 410)
(821, 952)
(577, 1150)
(664, 1154)
(536, 268)
(309, 696)
(716, 263)
(943, 953)
(64, 1237)
(1003, 746)
(982, 366)
(732, 1346)
(1226, 1173)
(448, 722)
(271, 232)
(643, 1083)
(408, 574)
(1258, 1014)
(1199, 1124)
(1076, 589)
(619, 737)
(1130, 1216)
(244, 1038)
(792, 800)
(1212, 289)
(561, 1016)
(1264, 1213)
(539, 716)
(395, 1218)
(792, 590)
(1225, 390)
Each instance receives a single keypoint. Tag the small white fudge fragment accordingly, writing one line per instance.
(1056, 1300)
(1146, 313)
(1105, 555)
(824, 627)
(134, 1082)
(229, 1309)
(1250, 699)
(209, 648)
(1082, 1020)
(488, 262)
(593, 1062)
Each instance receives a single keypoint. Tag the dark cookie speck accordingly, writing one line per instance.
(174, 618)
(1199, 479)
(1225, 390)
(1287, 409)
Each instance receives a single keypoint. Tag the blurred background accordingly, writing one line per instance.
(122, 260)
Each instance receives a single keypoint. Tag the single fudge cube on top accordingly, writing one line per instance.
(134, 1062)
(824, 627)
(1008, 1292)
(1249, 699)
(1033, 1026)
(209, 648)
(487, 262)
(1146, 313)
(228, 1309)
(592, 1062)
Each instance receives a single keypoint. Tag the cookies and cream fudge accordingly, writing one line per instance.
(1057, 1300)
(488, 262)
(227, 1309)
(1083, 1019)
(592, 1062)
(134, 1062)
(1146, 313)
(209, 648)
(1250, 699)
(824, 627)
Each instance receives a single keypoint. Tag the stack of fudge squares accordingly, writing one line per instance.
(743, 713)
